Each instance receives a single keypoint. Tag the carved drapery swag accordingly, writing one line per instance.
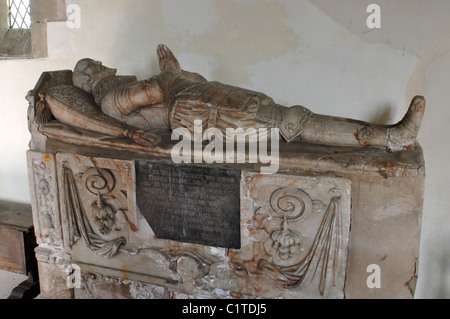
(325, 251)
(80, 223)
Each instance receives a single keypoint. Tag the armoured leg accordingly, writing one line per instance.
(315, 128)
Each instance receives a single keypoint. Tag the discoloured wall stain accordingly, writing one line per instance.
(410, 26)
(412, 282)
(434, 48)
(121, 34)
(241, 35)
(181, 18)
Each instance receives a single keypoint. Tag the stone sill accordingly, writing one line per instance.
(7, 58)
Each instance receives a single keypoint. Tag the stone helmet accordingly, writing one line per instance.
(88, 72)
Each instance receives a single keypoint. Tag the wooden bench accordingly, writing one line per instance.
(17, 243)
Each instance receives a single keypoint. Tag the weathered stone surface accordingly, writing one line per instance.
(39, 47)
(4, 18)
(47, 10)
(386, 224)
(193, 204)
(16, 43)
(53, 273)
(100, 286)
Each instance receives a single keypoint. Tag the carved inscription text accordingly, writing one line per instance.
(190, 204)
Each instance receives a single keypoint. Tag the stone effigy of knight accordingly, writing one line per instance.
(176, 98)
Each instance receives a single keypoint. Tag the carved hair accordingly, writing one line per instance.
(80, 78)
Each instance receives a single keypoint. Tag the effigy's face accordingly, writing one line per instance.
(97, 71)
(87, 72)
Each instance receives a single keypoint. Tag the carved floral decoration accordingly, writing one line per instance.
(286, 258)
(48, 220)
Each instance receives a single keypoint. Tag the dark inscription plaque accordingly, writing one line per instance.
(193, 204)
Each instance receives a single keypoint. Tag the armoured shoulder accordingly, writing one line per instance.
(110, 83)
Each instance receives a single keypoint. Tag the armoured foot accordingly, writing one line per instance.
(167, 61)
(403, 135)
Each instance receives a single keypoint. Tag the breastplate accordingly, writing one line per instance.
(214, 95)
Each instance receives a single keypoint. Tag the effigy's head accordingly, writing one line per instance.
(87, 72)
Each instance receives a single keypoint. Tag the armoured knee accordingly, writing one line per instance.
(293, 119)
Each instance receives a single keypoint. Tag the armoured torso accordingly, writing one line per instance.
(213, 94)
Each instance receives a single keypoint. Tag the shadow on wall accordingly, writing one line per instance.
(382, 115)
(441, 276)
(437, 278)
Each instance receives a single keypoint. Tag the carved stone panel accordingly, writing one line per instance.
(100, 286)
(44, 198)
(97, 202)
(295, 232)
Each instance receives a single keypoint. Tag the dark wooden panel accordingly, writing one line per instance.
(16, 215)
(12, 256)
(17, 239)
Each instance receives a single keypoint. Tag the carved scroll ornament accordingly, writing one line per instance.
(324, 252)
(81, 224)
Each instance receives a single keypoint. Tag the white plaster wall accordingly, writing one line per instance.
(316, 53)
